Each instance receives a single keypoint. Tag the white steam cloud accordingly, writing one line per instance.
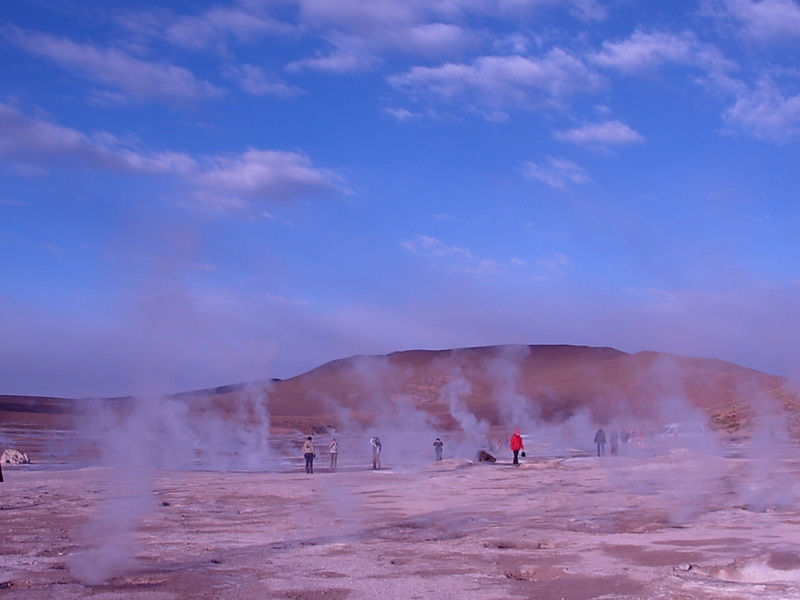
(137, 437)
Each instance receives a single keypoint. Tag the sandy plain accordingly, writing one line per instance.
(673, 524)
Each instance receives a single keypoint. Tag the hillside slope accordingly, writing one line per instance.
(502, 384)
(505, 386)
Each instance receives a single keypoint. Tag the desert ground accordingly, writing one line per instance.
(668, 523)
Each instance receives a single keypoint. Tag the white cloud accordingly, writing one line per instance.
(360, 32)
(602, 135)
(503, 81)
(31, 142)
(374, 13)
(245, 23)
(138, 79)
(556, 172)
(253, 80)
(352, 53)
(646, 51)
(367, 30)
(432, 39)
(588, 10)
(458, 259)
(766, 113)
(768, 109)
(401, 114)
(349, 60)
(766, 21)
(263, 175)
(220, 183)
(361, 15)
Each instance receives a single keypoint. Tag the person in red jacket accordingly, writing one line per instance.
(515, 443)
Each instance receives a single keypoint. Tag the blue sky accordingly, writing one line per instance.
(208, 193)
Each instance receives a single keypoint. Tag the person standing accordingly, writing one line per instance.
(600, 440)
(376, 452)
(437, 445)
(516, 445)
(334, 450)
(308, 453)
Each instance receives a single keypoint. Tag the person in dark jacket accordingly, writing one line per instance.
(600, 440)
(437, 445)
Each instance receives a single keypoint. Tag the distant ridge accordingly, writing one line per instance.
(552, 382)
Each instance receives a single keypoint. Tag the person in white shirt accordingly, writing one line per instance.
(334, 450)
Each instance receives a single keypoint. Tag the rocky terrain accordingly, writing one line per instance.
(678, 524)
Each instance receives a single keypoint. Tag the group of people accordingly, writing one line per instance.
(309, 453)
(616, 438)
(515, 443)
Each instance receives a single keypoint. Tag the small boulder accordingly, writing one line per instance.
(484, 456)
(14, 457)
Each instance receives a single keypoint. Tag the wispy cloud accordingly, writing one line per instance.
(138, 79)
(556, 172)
(432, 247)
(362, 32)
(601, 135)
(454, 257)
(262, 175)
(246, 22)
(34, 143)
(372, 15)
(462, 260)
(253, 80)
(767, 21)
(643, 52)
(349, 59)
(403, 114)
(357, 53)
(218, 182)
(765, 113)
(498, 82)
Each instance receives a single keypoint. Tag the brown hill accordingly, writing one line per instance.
(549, 382)
(507, 386)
